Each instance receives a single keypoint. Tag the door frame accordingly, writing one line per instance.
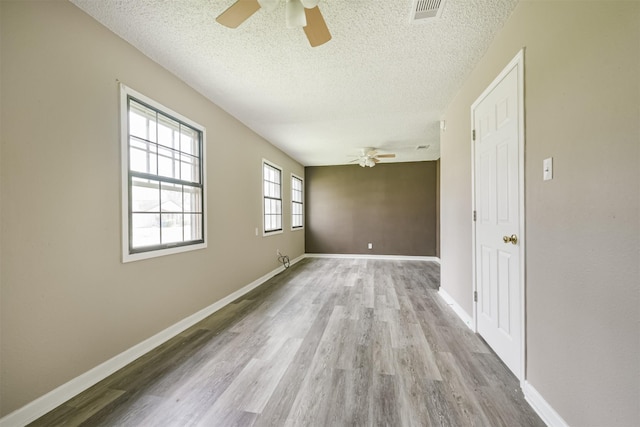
(516, 62)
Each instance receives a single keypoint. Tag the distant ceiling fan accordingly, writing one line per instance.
(370, 157)
(299, 13)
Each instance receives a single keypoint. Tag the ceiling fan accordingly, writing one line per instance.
(370, 157)
(299, 13)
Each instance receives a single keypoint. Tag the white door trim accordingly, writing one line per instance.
(516, 62)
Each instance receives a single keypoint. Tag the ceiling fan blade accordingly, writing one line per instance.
(375, 160)
(316, 29)
(386, 156)
(371, 153)
(239, 12)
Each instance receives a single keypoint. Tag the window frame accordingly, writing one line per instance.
(128, 253)
(301, 227)
(266, 232)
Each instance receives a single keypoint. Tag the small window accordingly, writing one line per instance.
(297, 203)
(163, 183)
(272, 197)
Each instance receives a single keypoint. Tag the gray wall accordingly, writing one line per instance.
(582, 102)
(390, 205)
(68, 303)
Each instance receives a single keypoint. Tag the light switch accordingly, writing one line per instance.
(370, 245)
(547, 169)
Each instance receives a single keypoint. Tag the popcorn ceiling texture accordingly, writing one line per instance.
(382, 81)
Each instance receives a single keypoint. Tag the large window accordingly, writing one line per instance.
(272, 197)
(297, 203)
(163, 179)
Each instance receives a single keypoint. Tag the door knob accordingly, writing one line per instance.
(513, 239)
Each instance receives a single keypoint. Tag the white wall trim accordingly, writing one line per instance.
(542, 407)
(463, 315)
(385, 257)
(58, 396)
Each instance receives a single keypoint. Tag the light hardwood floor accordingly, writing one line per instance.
(329, 342)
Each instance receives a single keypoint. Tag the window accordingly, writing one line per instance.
(297, 203)
(272, 195)
(163, 193)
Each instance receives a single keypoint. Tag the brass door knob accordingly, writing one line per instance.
(513, 239)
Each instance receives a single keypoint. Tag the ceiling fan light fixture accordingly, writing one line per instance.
(309, 4)
(295, 14)
(269, 5)
(370, 162)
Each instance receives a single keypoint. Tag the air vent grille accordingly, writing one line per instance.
(427, 9)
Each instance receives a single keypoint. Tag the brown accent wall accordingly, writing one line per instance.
(391, 205)
(438, 208)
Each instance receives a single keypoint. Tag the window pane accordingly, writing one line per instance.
(278, 207)
(192, 199)
(142, 156)
(168, 132)
(189, 141)
(193, 227)
(145, 229)
(142, 121)
(168, 163)
(171, 228)
(171, 198)
(189, 168)
(145, 195)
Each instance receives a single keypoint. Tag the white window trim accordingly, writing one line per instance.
(303, 203)
(273, 165)
(126, 91)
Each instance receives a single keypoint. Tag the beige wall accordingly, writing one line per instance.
(392, 206)
(582, 75)
(68, 303)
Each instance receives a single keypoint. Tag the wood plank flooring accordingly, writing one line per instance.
(329, 342)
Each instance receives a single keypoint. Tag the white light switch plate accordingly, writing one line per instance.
(547, 169)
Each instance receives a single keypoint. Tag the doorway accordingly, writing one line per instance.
(498, 203)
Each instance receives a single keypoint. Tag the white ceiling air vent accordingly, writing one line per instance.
(424, 9)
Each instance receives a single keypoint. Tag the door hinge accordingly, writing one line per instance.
(473, 134)
(475, 215)
(475, 296)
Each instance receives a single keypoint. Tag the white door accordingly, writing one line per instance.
(497, 160)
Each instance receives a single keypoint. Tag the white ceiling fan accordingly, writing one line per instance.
(370, 157)
(298, 13)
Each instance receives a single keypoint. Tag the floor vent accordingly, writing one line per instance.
(424, 9)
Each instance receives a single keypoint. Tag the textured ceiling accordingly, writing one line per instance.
(382, 81)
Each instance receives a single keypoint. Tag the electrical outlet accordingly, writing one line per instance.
(370, 245)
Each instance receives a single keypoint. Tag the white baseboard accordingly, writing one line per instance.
(468, 320)
(385, 257)
(542, 407)
(58, 396)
